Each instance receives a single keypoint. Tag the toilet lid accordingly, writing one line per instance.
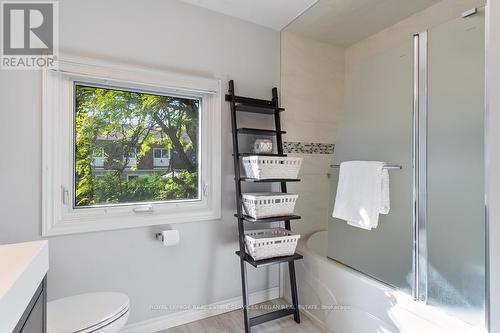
(85, 311)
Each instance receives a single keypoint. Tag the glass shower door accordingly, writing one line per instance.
(455, 168)
(377, 126)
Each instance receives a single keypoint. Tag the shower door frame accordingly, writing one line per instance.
(420, 105)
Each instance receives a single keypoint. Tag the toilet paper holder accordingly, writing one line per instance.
(168, 237)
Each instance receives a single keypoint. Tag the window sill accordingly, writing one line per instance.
(82, 225)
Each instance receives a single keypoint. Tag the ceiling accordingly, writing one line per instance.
(345, 22)
(275, 14)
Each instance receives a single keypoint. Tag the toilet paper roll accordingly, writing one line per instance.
(170, 237)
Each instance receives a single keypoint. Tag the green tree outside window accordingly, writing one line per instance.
(123, 127)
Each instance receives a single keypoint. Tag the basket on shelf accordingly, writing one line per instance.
(270, 204)
(269, 243)
(271, 167)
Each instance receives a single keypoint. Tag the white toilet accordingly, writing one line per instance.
(103, 312)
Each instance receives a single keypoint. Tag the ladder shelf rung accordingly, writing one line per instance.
(269, 219)
(257, 320)
(270, 261)
(249, 100)
(260, 105)
(261, 154)
(259, 131)
(274, 180)
(253, 108)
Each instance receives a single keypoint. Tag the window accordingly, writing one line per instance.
(98, 157)
(143, 148)
(130, 156)
(161, 157)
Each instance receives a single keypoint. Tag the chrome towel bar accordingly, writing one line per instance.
(389, 166)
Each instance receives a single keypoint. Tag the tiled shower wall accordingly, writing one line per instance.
(312, 83)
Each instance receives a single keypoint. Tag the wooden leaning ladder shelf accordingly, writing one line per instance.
(245, 104)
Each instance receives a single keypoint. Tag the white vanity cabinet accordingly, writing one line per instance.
(34, 318)
(23, 287)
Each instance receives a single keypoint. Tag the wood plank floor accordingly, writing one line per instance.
(232, 322)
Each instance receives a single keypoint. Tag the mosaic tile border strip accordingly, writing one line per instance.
(308, 148)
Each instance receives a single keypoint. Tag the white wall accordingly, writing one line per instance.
(203, 269)
(312, 91)
(493, 156)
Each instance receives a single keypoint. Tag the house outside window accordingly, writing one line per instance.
(98, 158)
(161, 157)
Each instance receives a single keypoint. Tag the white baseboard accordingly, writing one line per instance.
(188, 316)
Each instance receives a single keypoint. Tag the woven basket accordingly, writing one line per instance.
(262, 205)
(271, 167)
(269, 243)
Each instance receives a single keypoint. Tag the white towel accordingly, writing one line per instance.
(385, 203)
(362, 193)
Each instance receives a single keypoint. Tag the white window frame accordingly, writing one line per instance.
(132, 161)
(59, 216)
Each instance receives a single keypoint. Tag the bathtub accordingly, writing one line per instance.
(345, 301)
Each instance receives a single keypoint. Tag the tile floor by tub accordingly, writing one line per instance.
(232, 322)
